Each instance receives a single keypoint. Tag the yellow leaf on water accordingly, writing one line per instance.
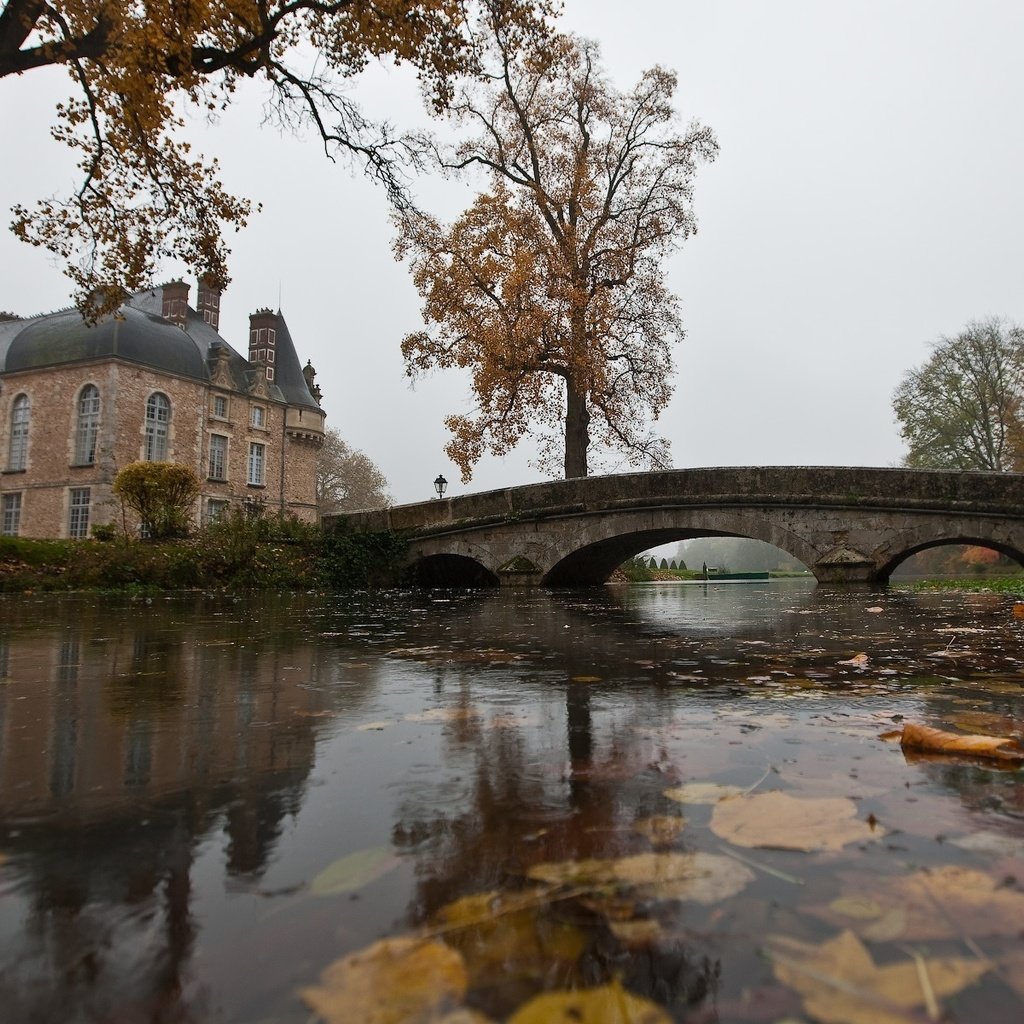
(780, 821)
(702, 793)
(924, 737)
(584, 679)
(661, 829)
(840, 983)
(636, 934)
(502, 935)
(700, 877)
(945, 903)
(862, 908)
(394, 981)
(354, 871)
(609, 1004)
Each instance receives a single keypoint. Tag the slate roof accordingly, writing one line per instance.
(139, 334)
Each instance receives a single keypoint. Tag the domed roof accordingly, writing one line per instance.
(139, 334)
(133, 335)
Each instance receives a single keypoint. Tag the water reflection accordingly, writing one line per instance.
(173, 776)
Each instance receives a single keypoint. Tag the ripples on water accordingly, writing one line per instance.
(175, 779)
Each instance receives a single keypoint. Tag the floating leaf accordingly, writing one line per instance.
(372, 726)
(857, 661)
(444, 715)
(502, 935)
(354, 871)
(995, 843)
(609, 1004)
(840, 983)
(702, 793)
(584, 679)
(661, 829)
(948, 902)
(391, 982)
(936, 741)
(1018, 611)
(637, 933)
(701, 877)
(784, 822)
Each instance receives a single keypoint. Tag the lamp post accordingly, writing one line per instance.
(439, 485)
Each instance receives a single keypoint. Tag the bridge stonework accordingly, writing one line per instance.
(847, 525)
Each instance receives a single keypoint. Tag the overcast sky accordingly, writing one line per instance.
(868, 198)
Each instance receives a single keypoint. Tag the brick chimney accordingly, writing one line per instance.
(175, 305)
(263, 327)
(208, 303)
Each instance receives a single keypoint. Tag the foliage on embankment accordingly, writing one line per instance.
(235, 553)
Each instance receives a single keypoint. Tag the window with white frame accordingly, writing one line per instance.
(10, 524)
(158, 418)
(218, 457)
(17, 452)
(78, 513)
(257, 417)
(88, 425)
(220, 407)
(257, 463)
(215, 508)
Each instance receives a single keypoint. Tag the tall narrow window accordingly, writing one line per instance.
(158, 416)
(11, 522)
(88, 425)
(220, 407)
(256, 463)
(78, 513)
(17, 455)
(218, 457)
(256, 416)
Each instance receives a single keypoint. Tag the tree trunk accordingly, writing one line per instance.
(577, 437)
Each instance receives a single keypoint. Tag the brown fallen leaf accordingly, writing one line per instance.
(660, 830)
(840, 983)
(391, 982)
(945, 903)
(780, 821)
(857, 661)
(936, 741)
(1018, 611)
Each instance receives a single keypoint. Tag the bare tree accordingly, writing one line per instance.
(346, 479)
(963, 408)
(550, 287)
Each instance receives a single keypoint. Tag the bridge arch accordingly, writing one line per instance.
(900, 548)
(451, 570)
(604, 544)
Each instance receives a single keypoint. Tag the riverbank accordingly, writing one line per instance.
(266, 553)
(1012, 585)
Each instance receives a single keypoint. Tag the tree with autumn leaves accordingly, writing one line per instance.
(137, 68)
(550, 288)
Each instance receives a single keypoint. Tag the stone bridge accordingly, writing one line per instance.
(847, 525)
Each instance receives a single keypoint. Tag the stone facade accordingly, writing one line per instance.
(157, 382)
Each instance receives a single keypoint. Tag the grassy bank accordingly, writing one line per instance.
(1013, 584)
(236, 553)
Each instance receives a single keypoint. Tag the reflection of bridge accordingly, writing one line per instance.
(846, 525)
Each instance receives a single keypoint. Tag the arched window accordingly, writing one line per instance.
(158, 417)
(88, 425)
(17, 454)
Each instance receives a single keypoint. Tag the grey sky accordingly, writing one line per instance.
(867, 199)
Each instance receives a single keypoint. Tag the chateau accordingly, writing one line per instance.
(155, 381)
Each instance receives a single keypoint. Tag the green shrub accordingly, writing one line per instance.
(161, 494)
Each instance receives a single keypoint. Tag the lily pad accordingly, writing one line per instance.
(391, 982)
(354, 871)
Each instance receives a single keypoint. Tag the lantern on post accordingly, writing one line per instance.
(440, 484)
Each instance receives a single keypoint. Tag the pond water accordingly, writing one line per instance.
(671, 800)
